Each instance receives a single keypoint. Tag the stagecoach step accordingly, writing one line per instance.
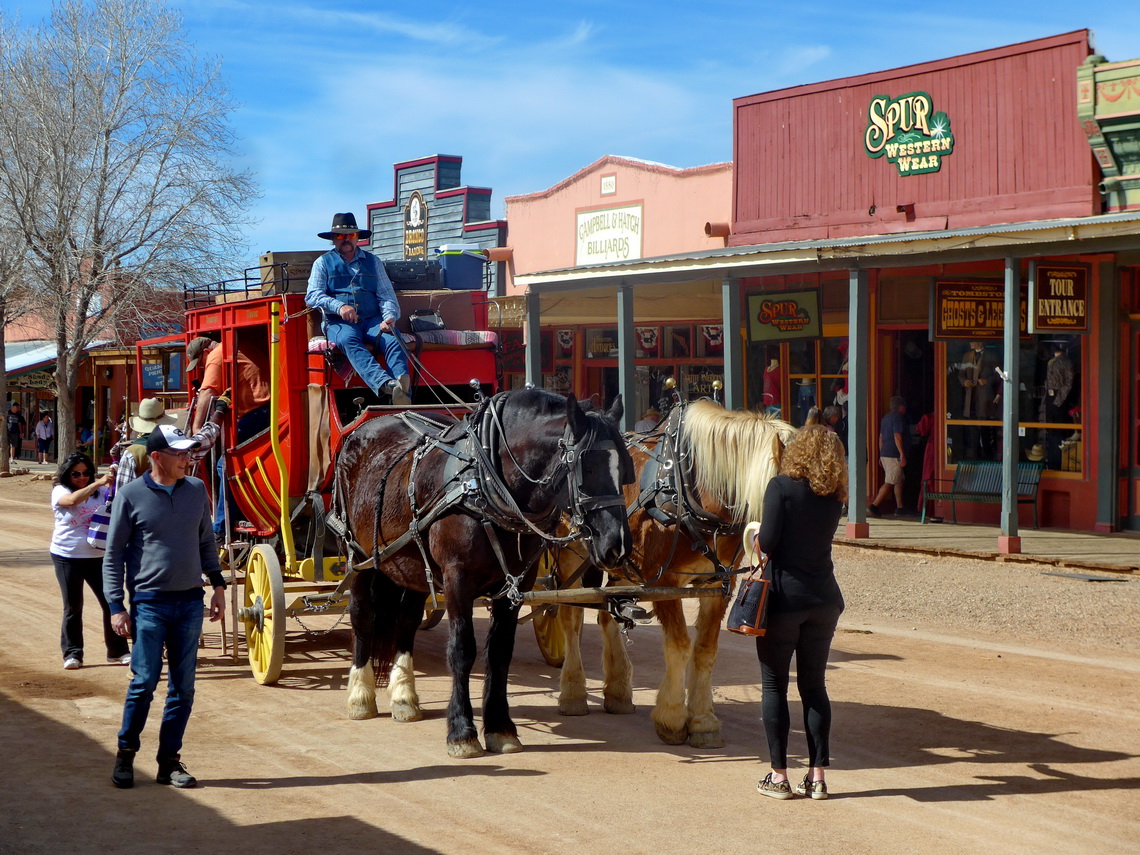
(579, 596)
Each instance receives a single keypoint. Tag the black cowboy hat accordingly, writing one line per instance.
(344, 224)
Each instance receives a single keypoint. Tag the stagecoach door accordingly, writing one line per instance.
(1132, 521)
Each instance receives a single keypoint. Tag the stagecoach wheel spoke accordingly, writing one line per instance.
(263, 614)
(548, 631)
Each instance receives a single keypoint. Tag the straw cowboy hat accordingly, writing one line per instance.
(344, 224)
(1036, 453)
(751, 553)
(151, 414)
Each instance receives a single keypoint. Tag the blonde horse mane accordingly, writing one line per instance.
(736, 454)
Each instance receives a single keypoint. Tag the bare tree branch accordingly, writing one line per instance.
(117, 168)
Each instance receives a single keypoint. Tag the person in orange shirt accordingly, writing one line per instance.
(250, 398)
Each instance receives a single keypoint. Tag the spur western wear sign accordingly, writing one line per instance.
(908, 132)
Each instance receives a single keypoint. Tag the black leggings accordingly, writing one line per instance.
(808, 634)
(72, 573)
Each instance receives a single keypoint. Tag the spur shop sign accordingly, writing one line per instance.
(908, 132)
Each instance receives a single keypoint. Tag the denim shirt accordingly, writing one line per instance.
(361, 283)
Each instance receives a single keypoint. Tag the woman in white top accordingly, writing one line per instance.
(45, 430)
(77, 494)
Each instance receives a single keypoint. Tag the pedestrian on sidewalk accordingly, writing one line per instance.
(45, 430)
(160, 545)
(892, 456)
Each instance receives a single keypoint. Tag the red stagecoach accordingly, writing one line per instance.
(280, 479)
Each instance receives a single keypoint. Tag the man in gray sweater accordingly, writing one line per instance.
(160, 544)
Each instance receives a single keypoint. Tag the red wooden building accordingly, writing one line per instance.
(883, 228)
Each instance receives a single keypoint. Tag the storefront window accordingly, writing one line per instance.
(697, 381)
(601, 342)
(560, 380)
(677, 342)
(1048, 404)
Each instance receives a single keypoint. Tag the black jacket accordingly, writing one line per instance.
(796, 531)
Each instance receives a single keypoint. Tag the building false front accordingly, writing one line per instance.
(953, 191)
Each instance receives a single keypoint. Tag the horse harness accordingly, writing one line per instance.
(669, 496)
(474, 484)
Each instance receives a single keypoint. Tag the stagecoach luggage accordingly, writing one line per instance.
(287, 272)
(463, 265)
(414, 275)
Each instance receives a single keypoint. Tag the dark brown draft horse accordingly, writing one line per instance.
(701, 478)
(466, 508)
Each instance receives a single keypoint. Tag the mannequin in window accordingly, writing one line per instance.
(978, 375)
(1054, 408)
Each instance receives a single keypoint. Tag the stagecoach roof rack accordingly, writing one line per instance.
(254, 282)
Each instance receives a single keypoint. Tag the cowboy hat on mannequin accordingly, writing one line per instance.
(344, 224)
(151, 414)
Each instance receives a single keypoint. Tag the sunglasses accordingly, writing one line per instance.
(176, 453)
(80, 473)
(345, 236)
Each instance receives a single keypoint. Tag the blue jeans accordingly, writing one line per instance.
(175, 622)
(351, 338)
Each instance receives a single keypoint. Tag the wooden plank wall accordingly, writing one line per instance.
(802, 171)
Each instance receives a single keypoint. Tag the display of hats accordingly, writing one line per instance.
(1036, 453)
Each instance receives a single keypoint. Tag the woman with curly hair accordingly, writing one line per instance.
(79, 491)
(802, 506)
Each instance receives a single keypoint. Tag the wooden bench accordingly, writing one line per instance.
(980, 481)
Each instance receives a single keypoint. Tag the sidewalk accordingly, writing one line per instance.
(1072, 549)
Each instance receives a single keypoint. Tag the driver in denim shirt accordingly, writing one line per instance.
(351, 288)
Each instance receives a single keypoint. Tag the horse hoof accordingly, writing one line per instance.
(712, 739)
(362, 711)
(672, 737)
(573, 706)
(406, 712)
(465, 750)
(619, 706)
(502, 743)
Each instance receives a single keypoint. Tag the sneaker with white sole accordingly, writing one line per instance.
(774, 789)
(71, 664)
(816, 789)
(125, 659)
(172, 771)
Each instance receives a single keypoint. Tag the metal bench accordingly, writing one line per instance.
(980, 481)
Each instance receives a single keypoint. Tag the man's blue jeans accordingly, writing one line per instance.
(351, 338)
(175, 622)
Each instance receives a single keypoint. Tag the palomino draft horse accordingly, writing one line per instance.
(467, 508)
(701, 478)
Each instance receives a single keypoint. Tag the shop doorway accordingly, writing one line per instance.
(1132, 521)
(907, 369)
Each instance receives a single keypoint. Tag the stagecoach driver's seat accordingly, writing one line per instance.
(351, 288)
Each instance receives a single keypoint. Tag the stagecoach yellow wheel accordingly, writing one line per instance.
(547, 630)
(432, 617)
(263, 613)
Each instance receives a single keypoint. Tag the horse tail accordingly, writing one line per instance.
(376, 611)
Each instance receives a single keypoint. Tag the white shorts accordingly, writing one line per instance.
(893, 469)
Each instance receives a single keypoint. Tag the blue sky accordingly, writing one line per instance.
(528, 93)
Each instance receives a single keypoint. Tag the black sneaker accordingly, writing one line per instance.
(171, 771)
(872, 511)
(124, 775)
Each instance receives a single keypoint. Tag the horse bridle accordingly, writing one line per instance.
(487, 440)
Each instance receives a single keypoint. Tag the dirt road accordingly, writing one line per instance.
(964, 722)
